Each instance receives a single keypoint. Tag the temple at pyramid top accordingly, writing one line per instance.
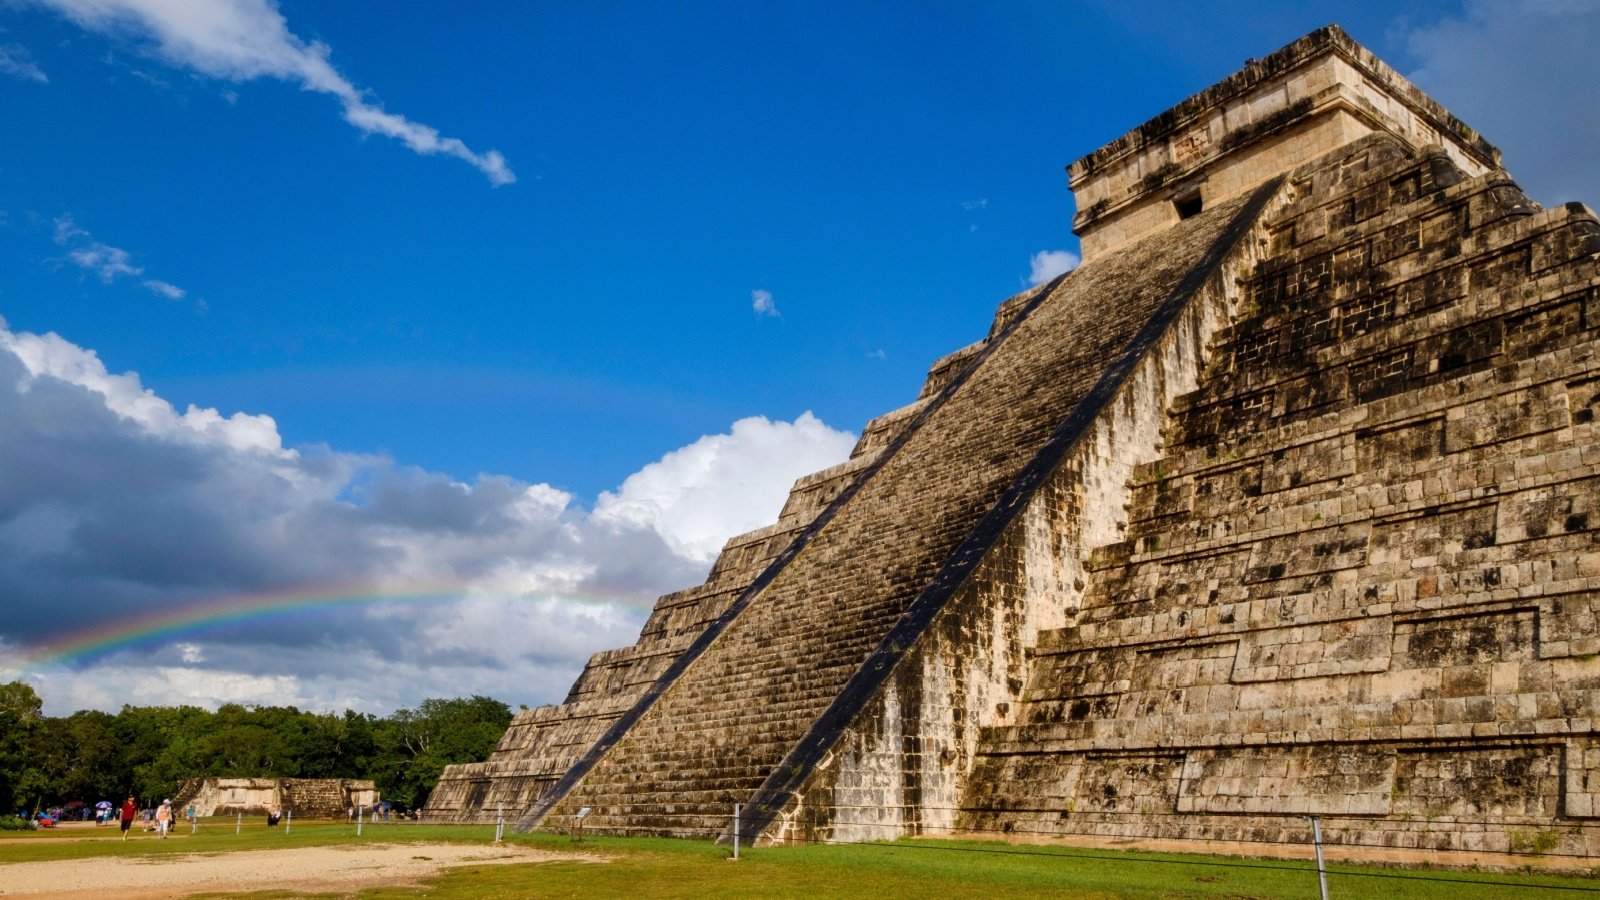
(1317, 94)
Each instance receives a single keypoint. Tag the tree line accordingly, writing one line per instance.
(149, 751)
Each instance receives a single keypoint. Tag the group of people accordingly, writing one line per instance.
(382, 810)
(161, 817)
(379, 809)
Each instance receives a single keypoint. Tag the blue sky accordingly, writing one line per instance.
(698, 214)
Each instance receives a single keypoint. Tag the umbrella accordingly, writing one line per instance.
(103, 804)
(75, 804)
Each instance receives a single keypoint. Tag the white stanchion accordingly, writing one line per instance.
(1322, 872)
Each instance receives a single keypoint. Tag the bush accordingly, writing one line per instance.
(15, 823)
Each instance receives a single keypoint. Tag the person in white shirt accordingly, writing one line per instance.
(164, 819)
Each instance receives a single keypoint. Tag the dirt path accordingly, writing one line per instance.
(305, 869)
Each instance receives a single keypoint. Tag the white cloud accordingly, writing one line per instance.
(241, 40)
(118, 506)
(694, 495)
(105, 261)
(971, 205)
(17, 62)
(47, 360)
(110, 686)
(1047, 264)
(165, 288)
(1524, 74)
(85, 252)
(761, 301)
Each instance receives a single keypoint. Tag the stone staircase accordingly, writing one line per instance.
(720, 730)
(542, 744)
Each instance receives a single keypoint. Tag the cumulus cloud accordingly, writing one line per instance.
(1047, 264)
(972, 205)
(242, 40)
(693, 496)
(761, 301)
(18, 63)
(1524, 74)
(118, 506)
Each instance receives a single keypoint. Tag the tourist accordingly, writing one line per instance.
(164, 818)
(129, 810)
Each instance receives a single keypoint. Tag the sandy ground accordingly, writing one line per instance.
(309, 869)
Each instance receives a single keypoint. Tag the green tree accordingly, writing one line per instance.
(20, 714)
(159, 747)
(414, 746)
(93, 767)
(151, 751)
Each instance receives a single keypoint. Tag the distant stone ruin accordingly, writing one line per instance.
(308, 798)
(1285, 502)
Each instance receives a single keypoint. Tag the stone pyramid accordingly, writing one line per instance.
(1278, 505)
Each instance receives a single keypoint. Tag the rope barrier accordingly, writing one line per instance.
(1140, 856)
(1133, 818)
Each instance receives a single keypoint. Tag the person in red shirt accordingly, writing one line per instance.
(129, 810)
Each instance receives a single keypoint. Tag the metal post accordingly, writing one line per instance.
(736, 831)
(500, 824)
(359, 811)
(288, 823)
(1322, 872)
(239, 824)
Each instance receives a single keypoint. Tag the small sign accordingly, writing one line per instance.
(582, 812)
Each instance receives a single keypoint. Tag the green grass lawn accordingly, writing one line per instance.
(668, 868)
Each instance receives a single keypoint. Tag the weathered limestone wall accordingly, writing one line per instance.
(318, 798)
(1362, 583)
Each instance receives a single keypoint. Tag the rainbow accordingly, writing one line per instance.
(174, 622)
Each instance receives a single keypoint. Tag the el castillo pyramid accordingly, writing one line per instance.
(1285, 502)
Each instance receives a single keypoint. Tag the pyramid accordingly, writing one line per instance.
(1279, 505)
